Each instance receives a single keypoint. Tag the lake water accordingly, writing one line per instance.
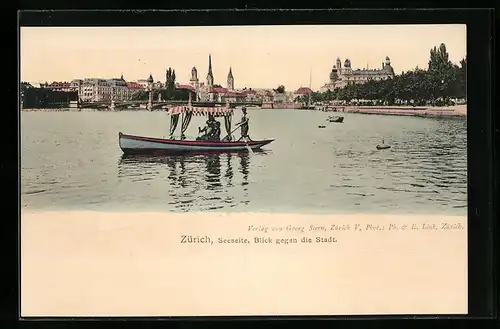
(72, 161)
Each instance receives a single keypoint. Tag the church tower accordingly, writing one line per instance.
(230, 80)
(194, 81)
(339, 66)
(210, 76)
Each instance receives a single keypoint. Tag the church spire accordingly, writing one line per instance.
(210, 76)
(210, 65)
(230, 80)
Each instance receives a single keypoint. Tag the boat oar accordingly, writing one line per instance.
(248, 148)
(236, 128)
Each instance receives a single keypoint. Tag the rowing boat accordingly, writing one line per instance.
(133, 144)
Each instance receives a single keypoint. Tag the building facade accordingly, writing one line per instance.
(58, 86)
(103, 90)
(194, 82)
(342, 76)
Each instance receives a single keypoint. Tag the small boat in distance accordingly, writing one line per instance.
(335, 119)
(132, 144)
(321, 126)
(383, 146)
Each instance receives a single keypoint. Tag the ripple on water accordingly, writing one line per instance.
(424, 171)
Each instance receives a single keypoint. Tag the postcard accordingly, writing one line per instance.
(243, 170)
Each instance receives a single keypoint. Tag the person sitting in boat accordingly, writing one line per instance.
(216, 132)
(208, 129)
(244, 126)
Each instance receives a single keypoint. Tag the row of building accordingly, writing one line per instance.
(118, 89)
(101, 90)
(209, 91)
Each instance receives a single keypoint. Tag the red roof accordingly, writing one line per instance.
(235, 94)
(218, 90)
(186, 87)
(134, 85)
(304, 91)
(249, 92)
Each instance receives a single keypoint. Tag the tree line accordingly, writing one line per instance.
(437, 85)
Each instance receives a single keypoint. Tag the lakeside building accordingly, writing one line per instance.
(342, 76)
(103, 90)
(58, 86)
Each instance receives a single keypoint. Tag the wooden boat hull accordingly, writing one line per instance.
(131, 144)
(383, 147)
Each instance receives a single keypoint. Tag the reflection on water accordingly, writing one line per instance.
(193, 182)
(71, 161)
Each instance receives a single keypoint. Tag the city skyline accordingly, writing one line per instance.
(259, 56)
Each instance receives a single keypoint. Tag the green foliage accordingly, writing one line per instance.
(436, 85)
(280, 89)
(170, 79)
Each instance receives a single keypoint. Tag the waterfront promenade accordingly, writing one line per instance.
(441, 111)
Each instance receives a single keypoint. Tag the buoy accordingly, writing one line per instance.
(383, 146)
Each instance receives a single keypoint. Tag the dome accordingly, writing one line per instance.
(150, 79)
(387, 60)
(194, 69)
(347, 63)
(333, 75)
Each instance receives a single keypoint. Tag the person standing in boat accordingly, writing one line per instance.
(244, 126)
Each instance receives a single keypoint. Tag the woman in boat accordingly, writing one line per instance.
(244, 126)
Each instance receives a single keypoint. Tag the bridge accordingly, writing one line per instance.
(163, 104)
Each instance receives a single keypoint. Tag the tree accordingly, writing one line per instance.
(280, 89)
(463, 77)
(435, 85)
(170, 79)
(140, 95)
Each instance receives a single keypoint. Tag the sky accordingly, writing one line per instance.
(260, 56)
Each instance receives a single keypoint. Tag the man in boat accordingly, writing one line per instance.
(208, 129)
(244, 126)
(216, 132)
